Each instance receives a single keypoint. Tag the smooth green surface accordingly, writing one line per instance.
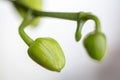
(95, 44)
(62, 15)
(91, 43)
(44, 51)
(47, 53)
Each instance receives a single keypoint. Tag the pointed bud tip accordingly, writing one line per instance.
(77, 39)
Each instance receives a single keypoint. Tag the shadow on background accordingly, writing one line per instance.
(111, 69)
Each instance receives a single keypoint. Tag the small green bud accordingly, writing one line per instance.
(32, 4)
(95, 44)
(47, 53)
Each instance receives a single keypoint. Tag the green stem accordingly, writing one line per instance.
(89, 16)
(62, 15)
(78, 34)
(70, 16)
(80, 17)
(22, 33)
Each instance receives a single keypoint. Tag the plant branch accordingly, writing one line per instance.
(62, 15)
(22, 33)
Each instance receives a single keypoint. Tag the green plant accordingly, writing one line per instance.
(46, 51)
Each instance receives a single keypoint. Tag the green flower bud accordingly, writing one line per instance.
(47, 53)
(95, 44)
(22, 7)
(33, 4)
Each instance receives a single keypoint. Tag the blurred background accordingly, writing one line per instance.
(15, 63)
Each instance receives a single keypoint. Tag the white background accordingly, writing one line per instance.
(15, 63)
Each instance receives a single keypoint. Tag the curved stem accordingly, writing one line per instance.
(88, 16)
(64, 15)
(70, 16)
(82, 18)
(97, 22)
(22, 33)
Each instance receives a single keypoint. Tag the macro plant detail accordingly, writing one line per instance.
(95, 44)
(46, 51)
